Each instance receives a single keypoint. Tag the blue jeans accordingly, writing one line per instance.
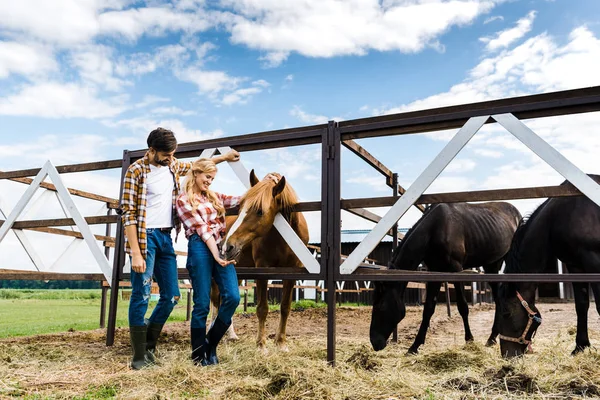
(203, 268)
(160, 262)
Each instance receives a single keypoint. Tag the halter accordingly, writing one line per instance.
(533, 316)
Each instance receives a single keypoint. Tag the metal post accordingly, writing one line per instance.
(448, 298)
(188, 313)
(330, 227)
(103, 305)
(395, 240)
(105, 289)
(119, 261)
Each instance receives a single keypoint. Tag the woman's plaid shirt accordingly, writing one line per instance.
(133, 202)
(204, 220)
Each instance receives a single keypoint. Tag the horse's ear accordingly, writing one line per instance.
(279, 187)
(253, 178)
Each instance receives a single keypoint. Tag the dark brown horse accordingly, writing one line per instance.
(447, 238)
(564, 228)
(252, 240)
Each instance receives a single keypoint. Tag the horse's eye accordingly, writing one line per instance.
(259, 213)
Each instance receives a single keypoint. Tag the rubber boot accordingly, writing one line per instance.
(199, 346)
(152, 335)
(137, 335)
(214, 336)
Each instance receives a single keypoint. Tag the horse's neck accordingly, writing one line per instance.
(413, 250)
(535, 252)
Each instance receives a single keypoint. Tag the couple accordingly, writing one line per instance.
(152, 205)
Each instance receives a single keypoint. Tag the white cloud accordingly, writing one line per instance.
(489, 153)
(56, 100)
(26, 59)
(141, 126)
(155, 21)
(59, 148)
(151, 99)
(261, 83)
(69, 22)
(311, 118)
(172, 111)
(168, 56)
(327, 28)
(537, 65)
(371, 183)
(240, 96)
(96, 67)
(211, 82)
(289, 78)
(493, 18)
(506, 37)
(461, 165)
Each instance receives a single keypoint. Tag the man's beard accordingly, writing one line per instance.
(164, 163)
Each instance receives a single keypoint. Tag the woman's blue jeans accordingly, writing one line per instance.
(160, 262)
(203, 268)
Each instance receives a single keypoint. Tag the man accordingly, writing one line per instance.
(151, 186)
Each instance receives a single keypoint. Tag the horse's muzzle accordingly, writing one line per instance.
(231, 252)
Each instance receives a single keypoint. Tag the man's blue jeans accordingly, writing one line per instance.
(203, 268)
(160, 262)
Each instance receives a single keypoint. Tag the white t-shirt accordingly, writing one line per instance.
(159, 201)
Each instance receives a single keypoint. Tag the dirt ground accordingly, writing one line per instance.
(79, 365)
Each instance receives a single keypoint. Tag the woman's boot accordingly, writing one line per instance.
(199, 346)
(215, 333)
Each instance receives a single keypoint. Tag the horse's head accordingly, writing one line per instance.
(518, 318)
(388, 311)
(258, 209)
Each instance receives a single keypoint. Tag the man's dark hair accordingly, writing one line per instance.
(162, 140)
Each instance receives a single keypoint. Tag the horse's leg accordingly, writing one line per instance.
(432, 289)
(463, 309)
(493, 269)
(596, 290)
(262, 309)
(582, 305)
(215, 302)
(286, 305)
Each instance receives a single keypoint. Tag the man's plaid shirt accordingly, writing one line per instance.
(204, 220)
(133, 202)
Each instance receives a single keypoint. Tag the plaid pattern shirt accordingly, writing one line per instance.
(134, 199)
(204, 220)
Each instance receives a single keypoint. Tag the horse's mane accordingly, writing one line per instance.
(512, 259)
(260, 196)
(410, 231)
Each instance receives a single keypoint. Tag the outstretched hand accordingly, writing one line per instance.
(232, 155)
(224, 263)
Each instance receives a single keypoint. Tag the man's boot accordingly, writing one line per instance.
(199, 346)
(153, 333)
(137, 335)
(215, 333)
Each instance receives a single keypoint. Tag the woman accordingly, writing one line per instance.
(202, 212)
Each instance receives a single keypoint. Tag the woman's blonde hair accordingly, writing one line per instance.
(199, 166)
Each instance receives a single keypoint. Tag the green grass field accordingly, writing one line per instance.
(25, 312)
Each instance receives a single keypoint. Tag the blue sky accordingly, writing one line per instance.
(82, 80)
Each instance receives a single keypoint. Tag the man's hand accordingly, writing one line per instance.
(232, 155)
(138, 264)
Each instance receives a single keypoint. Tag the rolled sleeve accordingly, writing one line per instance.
(129, 200)
(230, 201)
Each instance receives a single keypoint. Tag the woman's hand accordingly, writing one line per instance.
(224, 263)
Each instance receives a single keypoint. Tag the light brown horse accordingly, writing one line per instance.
(253, 241)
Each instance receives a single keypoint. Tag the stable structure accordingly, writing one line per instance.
(468, 118)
